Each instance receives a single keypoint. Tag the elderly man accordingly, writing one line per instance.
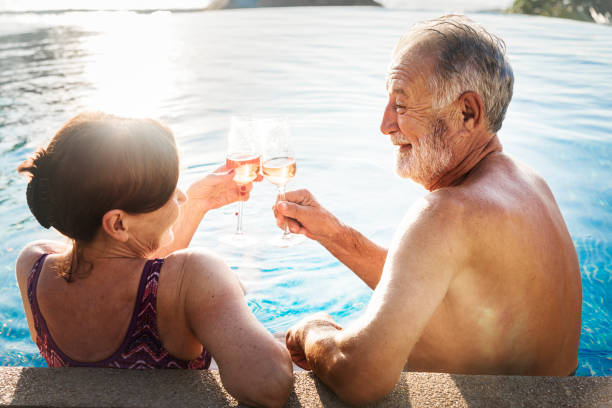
(482, 276)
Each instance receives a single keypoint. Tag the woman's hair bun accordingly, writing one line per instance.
(38, 193)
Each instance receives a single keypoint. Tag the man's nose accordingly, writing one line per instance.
(389, 120)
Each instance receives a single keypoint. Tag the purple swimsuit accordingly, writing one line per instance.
(141, 347)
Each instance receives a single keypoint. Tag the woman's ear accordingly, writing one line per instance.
(115, 225)
(472, 110)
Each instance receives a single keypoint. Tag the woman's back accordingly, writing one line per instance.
(108, 321)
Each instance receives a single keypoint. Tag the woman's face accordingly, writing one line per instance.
(153, 230)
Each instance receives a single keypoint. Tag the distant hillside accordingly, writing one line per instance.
(227, 4)
(599, 11)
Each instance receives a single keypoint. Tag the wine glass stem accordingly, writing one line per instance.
(281, 192)
(239, 226)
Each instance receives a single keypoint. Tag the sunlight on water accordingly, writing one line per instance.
(324, 69)
(131, 64)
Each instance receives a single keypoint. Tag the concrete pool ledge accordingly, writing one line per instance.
(87, 387)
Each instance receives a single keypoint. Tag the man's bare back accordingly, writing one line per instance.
(486, 311)
(481, 276)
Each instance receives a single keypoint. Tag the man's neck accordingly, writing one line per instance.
(472, 158)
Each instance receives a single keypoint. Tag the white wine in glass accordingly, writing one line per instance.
(279, 170)
(244, 157)
(278, 165)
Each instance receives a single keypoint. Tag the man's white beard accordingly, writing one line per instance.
(426, 161)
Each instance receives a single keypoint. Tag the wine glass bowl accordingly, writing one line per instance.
(279, 170)
(243, 155)
(278, 165)
(246, 165)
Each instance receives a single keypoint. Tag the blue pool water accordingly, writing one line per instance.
(324, 69)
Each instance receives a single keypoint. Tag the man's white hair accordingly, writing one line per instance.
(466, 58)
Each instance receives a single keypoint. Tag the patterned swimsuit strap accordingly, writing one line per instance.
(32, 284)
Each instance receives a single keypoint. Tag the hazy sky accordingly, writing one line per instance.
(175, 4)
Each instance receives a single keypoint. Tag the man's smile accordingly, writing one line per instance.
(402, 146)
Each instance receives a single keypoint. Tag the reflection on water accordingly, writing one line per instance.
(324, 69)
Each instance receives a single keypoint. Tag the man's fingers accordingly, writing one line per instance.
(299, 196)
(296, 352)
(291, 210)
(301, 362)
(294, 226)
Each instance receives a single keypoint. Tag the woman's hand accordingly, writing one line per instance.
(218, 189)
(213, 191)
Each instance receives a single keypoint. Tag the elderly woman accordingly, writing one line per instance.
(125, 294)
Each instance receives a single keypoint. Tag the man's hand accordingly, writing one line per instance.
(218, 189)
(295, 339)
(305, 215)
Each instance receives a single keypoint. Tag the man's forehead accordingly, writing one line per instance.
(398, 80)
(407, 70)
(395, 89)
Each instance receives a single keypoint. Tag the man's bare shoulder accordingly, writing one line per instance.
(439, 209)
(498, 203)
(439, 221)
(500, 189)
(503, 175)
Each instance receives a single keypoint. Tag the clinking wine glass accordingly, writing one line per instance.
(278, 165)
(244, 157)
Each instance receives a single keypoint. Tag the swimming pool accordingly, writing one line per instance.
(323, 68)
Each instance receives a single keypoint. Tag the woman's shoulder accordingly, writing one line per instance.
(198, 261)
(32, 252)
(200, 267)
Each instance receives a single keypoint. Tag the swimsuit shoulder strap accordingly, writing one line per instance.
(145, 308)
(32, 284)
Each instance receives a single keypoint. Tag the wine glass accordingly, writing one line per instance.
(278, 165)
(244, 157)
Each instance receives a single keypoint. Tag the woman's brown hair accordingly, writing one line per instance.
(95, 163)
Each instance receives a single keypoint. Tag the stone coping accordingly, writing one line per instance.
(95, 387)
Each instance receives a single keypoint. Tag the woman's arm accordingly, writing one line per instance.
(25, 261)
(255, 368)
(213, 191)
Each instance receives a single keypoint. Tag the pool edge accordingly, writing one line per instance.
(26, 386)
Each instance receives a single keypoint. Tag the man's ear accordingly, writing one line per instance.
(472, 110)
(115, 225)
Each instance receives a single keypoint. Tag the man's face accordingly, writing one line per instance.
(417, 131)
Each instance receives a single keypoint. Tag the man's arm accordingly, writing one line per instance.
(362, 362)
(306, 216)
